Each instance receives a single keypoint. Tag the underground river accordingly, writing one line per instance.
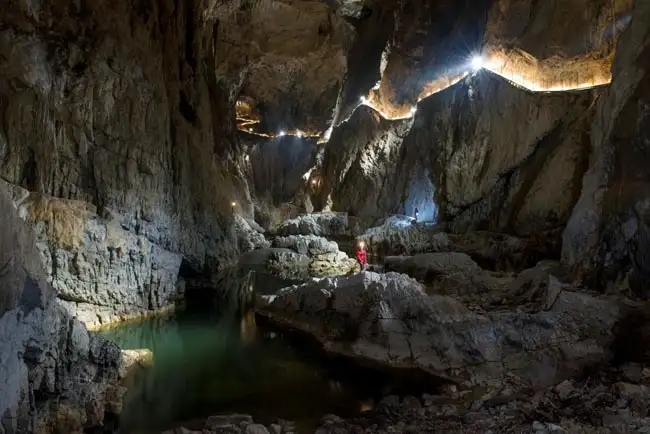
(214, 357)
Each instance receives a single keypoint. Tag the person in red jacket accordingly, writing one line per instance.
(361, 256)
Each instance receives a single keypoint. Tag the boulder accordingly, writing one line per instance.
(133, 360)
(398, 236)
(496, 251)
(388, 318)
(287, 264)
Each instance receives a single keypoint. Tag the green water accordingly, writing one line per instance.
(212, 358)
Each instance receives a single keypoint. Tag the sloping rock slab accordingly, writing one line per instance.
(388, 318)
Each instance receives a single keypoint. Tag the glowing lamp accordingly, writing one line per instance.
(299, 134)
(233, 204)
(282, 133)
(477, 62)
(250, 130)
(313, 182)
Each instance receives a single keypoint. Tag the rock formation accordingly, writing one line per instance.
(116, 126)
(56, 377)
(300, 257)
(389, 318)
(606, 239)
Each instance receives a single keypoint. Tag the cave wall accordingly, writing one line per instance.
(113, 118)
(56, 377)
(503, 158)
(484, 153)
(607, 238)
(275, 167)
(429, 40)
(350, 170)
(561, 28)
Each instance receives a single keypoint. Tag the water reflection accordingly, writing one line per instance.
(213, 358)
(248, 328)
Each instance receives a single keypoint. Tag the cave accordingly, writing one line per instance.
(324, 216)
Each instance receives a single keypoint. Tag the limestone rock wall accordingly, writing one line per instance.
(108, 104)
(355, 164)
(101, 272)
(502, 158)
(56, 377)
(607, 237)
(429, 39)
(113, 113)
(275, 167)
(482, 154)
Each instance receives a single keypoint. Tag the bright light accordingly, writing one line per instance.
(362, 244)
(413, 110)
(477, 62)
(250, 130)
(299, 134)
(282, 133)
(363, 100)
(247, 157)
(313, 182)
(233, 204)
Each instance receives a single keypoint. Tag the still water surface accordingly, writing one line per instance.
(212, 358)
